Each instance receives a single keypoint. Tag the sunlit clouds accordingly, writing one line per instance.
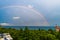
(16, 18)
(5, 24)
(30, 6)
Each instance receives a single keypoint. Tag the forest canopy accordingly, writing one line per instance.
(27, 34)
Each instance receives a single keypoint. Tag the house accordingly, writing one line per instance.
(1, 38)
(5, 36)
(57, 28)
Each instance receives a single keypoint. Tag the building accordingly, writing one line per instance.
(57, 28)
(5, 36)
(1, 38)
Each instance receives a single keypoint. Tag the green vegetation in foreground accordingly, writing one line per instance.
(27, 34)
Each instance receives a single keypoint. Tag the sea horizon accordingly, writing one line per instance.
(31, 27)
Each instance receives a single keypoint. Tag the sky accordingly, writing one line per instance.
(49, 9)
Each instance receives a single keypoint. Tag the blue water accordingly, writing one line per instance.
(32, 27)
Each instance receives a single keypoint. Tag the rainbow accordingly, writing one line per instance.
(26, 7)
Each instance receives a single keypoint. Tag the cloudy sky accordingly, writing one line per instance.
(30, 12)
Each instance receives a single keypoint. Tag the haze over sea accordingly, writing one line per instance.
(32, 27)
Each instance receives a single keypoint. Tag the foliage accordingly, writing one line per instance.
(26, 34)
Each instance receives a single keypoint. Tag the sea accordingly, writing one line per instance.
(31, 27)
